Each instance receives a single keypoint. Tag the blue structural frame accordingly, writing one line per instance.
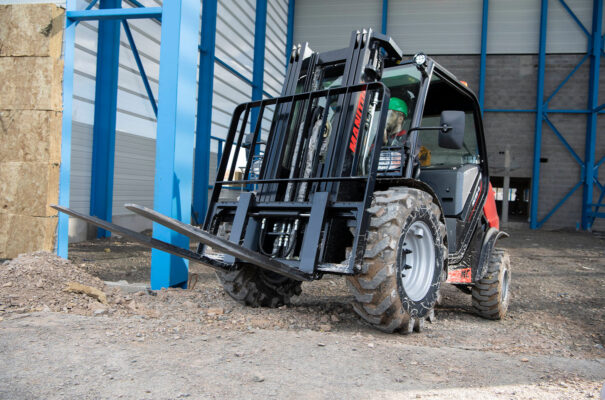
(204, 111)
(588, 165)
(104, 127)
(483, 60)
(175, 136)
(385, 16)
(590, 210)
(69, 37)
(258, 67)
(176, 116)
(290, 31)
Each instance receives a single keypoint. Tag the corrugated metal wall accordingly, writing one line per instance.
(444, 26)
(327, 24)
(136, 123)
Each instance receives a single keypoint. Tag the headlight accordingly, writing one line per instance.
(420, 59)
(389, 161)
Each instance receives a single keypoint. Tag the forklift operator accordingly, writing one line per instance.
(395, 135)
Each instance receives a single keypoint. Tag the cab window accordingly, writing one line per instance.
(443, 96)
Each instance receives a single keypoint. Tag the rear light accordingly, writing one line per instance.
(389, 161)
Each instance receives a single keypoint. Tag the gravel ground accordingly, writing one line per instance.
(199, 343)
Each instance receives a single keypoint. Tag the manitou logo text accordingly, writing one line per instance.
(357, 122)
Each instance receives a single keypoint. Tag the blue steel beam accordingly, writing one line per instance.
(69, 38)
(385, 16)
(535, 182)
(104, 128)
(574, 17)
(137, 59)
(175, 135)
(290, 34)
(204, 111)
(594, 47)
(138, 4)
(115, 13)
(566, 79)
(91, 4)
(510, 110)
(258, 68)
(484, 21)
(546, 111)
(565, 142)
(559, 204)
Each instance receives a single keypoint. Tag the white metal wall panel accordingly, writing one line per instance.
(235, 34)
(446, 26)
(81, 155)
(514, 27)
(436, 26)
(275, 46)
(229, 91)
(327, 24)
(134, 171)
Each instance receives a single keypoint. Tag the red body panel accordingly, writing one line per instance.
(462, 275)
(489, 209)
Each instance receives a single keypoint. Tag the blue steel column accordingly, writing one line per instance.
(290, 35)
(594, 48)
(175, 135)
(385, 16)
(204, 111)
(65, 170)
(483, 53)
(535, 182)
(104, 128)
(258, 70)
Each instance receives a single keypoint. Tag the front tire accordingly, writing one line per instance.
(490, 294)
(403, 263)
(255, 287)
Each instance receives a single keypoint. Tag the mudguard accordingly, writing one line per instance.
(489, 242)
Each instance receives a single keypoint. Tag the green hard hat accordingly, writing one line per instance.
(397, 104)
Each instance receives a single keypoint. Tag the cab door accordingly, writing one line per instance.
(458, 176)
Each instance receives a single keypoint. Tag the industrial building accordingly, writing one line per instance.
(131, 100)
(302, 199)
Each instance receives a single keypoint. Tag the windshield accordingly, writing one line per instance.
(404, 84)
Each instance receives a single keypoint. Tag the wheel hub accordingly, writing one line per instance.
(505, 283)
(418, 255)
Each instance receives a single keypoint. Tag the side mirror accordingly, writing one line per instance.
(451, 134)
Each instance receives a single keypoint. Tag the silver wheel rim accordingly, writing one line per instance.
(419, 256)
(504, 294)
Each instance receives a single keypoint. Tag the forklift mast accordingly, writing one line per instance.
(304, 186)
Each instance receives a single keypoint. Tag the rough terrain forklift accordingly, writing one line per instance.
(322, 185)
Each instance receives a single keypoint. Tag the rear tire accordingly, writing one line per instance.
(491, 294)
(255, 287)
(389, 294)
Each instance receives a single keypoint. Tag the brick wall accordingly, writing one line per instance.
(511, 83)
(31, 73)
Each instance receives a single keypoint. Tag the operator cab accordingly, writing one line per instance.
(456, 175)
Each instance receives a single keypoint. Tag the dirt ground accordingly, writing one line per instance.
(199, 343)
